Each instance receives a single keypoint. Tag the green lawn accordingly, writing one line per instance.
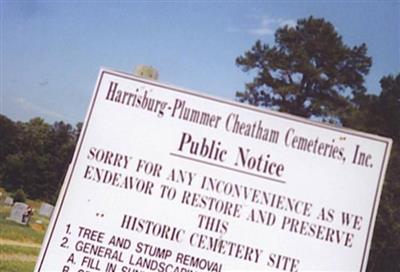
(13, 231)
(19, 244)
(17, 266)
(13, 249)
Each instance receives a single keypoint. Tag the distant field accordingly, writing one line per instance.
(20, 245)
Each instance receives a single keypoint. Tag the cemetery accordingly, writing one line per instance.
(280, 150)
(20, 240)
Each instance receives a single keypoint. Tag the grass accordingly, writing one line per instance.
(17, 266)
(20, 244)
(15, 258)
(13, 249)
(10, 230)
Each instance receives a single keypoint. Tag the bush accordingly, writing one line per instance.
(19, 196)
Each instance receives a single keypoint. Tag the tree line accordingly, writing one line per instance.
(34, 156)
(308, 71)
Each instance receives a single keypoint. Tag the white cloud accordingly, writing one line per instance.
(289, 23)
(265, 25)
(262, 31)
(36, 109)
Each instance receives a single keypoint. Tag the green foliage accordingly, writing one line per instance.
(8, 131)
(36, 157)
(308, 72)
(19, 196)
(381, 115)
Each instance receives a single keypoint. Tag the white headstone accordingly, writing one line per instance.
(8, 201)
(19, 213)
(46, 209)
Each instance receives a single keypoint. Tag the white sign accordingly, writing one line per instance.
(165, 179)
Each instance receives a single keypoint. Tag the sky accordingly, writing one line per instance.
(51, 51)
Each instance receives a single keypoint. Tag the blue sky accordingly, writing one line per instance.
(51, 51)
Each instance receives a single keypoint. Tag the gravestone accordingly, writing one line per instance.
(19, 213)
(8, 201)
(46, 209)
